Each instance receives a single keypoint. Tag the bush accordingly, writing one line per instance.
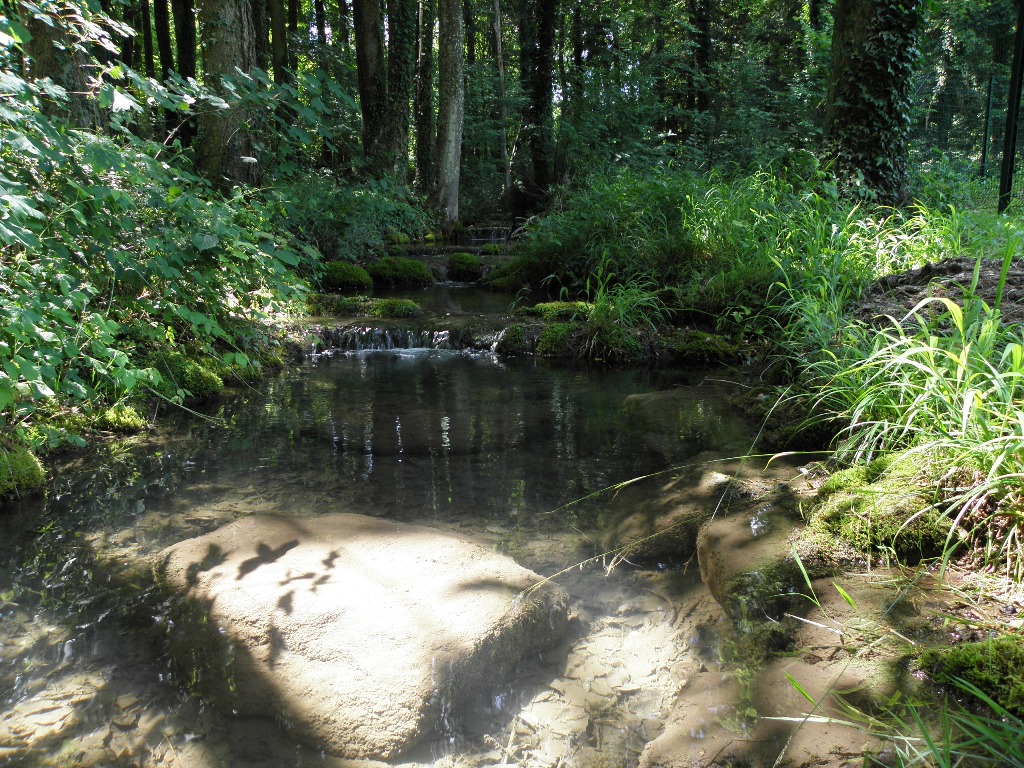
(338, 275)
(399, 272)
(463, 267)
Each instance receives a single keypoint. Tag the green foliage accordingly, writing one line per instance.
(556, 311)
(20, 472)
(400, 272)
(338, 275)
(349, 221)
(463, 267)
(122, 418)
(994, 666)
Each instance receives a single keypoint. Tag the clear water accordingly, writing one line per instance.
(451, 439)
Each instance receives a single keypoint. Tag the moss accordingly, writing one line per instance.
(491, 249)
(339, 275)
(559, 340)
(463, 267)
(558, 311)
(686, 345)
(995, 667)
(20, 472)
(180, 372)
(122, 418)
(514, 340)
(322, 304)
(882, 506)
(392, 270)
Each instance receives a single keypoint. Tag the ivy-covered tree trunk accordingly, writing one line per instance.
(426, 146)
(536, 49)
(224, 152)
(370, 67)
(867, 110)
(450, 109)
(401, 66)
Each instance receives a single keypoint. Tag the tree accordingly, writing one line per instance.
(370, 66)
(279, 40)
(450, 109)
(867, 109)
(402, 17)
(424, 98)
(536, 73)
(225, 152)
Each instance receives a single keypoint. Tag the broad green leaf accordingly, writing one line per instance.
(204, 241)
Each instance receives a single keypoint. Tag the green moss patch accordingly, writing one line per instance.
(559, 340)
(491, 249)
(392, 270)
(511, 276)
(885, 505)
(122, 418)
(558, 311)
(339, 275)
(463, 267)
(686, 345)
(20, 472)
(180, 372)
(514, 340)
(995, 667)
(324, 304)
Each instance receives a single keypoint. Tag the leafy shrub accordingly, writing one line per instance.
(463, 267)
(401, 272)
(338, 275)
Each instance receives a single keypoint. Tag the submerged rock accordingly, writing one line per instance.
(360, 634)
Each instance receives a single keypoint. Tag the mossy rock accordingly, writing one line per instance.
(339, 275)
(463, 267)
(325, 304)
(558, 311)
(886, 505)
(559, 340)
(392, 270)
(514, 340)
(490, 249)
(180, 372)
(995, 667)
(687, 345)
(122, 418)
(20, 472)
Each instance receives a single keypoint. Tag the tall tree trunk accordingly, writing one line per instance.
(259, 10)
(51, 55)
(867, 109)
(162, 26)
(401, 62)
(536, 36)
(321, 26)
(450, 109)
(129, 15)
(224, 153)
(147, 40)
(499, 63)
(185, 36)
(293, 29)
(369, 29)
(344, 25)
(279, 41)
(469, 26)
(424, 97)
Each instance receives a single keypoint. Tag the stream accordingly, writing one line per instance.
(514, 451)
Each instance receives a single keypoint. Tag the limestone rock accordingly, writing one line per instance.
(359, 633)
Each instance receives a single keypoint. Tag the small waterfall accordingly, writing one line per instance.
(376, 339)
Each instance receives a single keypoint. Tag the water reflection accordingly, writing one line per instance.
(449, 438)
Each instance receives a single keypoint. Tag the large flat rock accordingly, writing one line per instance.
(360, 634)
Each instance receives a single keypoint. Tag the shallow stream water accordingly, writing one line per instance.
(513, 451)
